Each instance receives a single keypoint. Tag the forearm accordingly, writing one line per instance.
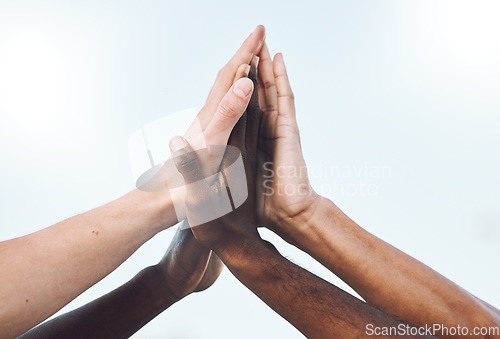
(118, 314)
(43, 271)
(314, 306)
(384, 276)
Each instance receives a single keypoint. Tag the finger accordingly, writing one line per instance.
(250, 47)
(203, 202)
(229, 111)
(268, 83)
(269, 105)
(242, 72)
(226, 76)
(286, 105)
(185, 159)
(253, 114)
(238, 134)
(262, 94)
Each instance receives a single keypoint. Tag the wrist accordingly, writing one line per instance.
(236, 253)
(327, 221)
(156, 207)
(299, 228)
(293, 222)
(251, 261)
(153, 280)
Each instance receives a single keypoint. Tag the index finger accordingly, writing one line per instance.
(250, 47)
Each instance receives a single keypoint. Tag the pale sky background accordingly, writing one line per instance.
(410, 87)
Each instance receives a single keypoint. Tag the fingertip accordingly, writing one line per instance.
(279, 64)
(243, 88)
(260, 29)
(243, 71)
(186, 161)
(255, 61)
(260, 32)
(177, 143)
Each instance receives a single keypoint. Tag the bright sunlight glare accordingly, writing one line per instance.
(471, 29)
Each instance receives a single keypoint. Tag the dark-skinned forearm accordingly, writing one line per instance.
(117, 314)
(385, 276)
(315, 307)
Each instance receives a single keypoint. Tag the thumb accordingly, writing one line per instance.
(186, 160)
(201, 202)
(229, 111)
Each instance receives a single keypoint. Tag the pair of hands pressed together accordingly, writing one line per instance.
(187, 266)
(250, 107)
(278, 144)
(268, 137)
(268, 140)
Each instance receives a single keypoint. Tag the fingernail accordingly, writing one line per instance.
(247, 70)
(255, 61)
(176, 144)
(281, 55)
(242, 88)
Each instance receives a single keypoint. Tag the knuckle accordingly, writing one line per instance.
(280, 76)
(271, 108)
(268, 84)
(227, 109)
(286, 94)
(187, 163)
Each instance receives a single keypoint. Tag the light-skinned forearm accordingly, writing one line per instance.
(383, 275)
(315, 307)
(118, 314)
(43, 271)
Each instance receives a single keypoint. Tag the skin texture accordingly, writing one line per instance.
(383, 275)
(270, 143)
(43, 271)
(186, 267)
(315, 307)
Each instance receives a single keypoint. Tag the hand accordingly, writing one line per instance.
(285, 287)
(216, 111)
(207, 198)
(215, 121)
(187, 266)
(280, 188)
(283, 188)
